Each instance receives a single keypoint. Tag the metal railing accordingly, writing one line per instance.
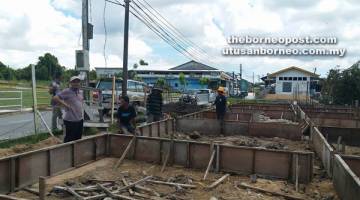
(12, 99)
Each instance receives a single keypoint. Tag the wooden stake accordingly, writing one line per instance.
(135, 183)
(146, 196)
(296, 172)
(113, 195)
(286, 196)
(172, 184)
(217, 182)
(42, 188)
(338, 143)
(166, 160)
(76, 195)
(125, 152)
(126, 184)
(209, 165)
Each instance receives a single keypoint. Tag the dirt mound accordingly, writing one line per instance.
(21, 148)
(182, 108)
(240, 140)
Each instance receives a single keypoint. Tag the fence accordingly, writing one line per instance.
(7, 100)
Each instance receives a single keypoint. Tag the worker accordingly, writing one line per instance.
(221, 103)
(154, 105)
(54, 89)
(126, 116)
(72, 100)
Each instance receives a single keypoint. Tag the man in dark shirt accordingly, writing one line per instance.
(154, 105)
(126, 116)
(220, 103)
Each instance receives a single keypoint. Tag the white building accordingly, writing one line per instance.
(107, 71)
(293, 80)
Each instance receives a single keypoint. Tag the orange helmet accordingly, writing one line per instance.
(221, 89)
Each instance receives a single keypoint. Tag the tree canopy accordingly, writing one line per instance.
(342, 86)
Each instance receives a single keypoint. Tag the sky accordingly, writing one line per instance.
(31, 28)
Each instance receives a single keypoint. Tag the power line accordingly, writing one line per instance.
(160, 30)
(105, 35)
(175, 30)
(145, 21)
(167, 29)
(157, 32)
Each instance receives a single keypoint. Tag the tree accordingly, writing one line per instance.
(182, 80)
(92, 75)
(204, 81)
(342, 87)
(47, 66)
(142, 62)
(160, 82)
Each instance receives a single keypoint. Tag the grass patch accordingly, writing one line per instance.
(31, 139)
(35, 138)
(43, 97)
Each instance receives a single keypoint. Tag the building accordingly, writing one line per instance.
(194, 72)
(293, 80)
(102, 72)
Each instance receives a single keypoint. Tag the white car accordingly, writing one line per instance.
(136, 92)
(198, 96)
(207, 95)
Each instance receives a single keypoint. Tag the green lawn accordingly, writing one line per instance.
(43, 97)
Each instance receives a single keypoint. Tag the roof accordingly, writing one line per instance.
(108, 68)
(293, 68)
(171, 71)
(193, 65)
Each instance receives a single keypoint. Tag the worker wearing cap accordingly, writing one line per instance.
(220, 103)
(154, 105)
(72, 100)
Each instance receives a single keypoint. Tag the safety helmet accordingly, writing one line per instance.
(221, 89)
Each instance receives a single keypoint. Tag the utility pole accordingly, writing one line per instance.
(84, 71)
(253, 82)
(33, 78)
(85, 19)
(240, 71)
(125, 55)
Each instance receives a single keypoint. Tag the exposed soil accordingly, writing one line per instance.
(349, 150)
(320, 188)
(21, 148)
(181, 108)
(259, 116)
(239, 140)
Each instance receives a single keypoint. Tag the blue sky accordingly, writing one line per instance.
(54, 26)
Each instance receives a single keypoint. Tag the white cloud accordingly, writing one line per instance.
(31, 28)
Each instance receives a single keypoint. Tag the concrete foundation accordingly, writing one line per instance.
(22, 170)
(346, 183)
(351, 136)
(255, 129)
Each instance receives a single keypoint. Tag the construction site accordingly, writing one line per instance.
(152, 125)
(261, 151)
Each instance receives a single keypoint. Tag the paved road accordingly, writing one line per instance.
(20, 124)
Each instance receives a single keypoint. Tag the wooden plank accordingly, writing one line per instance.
(125, 153)
(217, 182)
(286, 196)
